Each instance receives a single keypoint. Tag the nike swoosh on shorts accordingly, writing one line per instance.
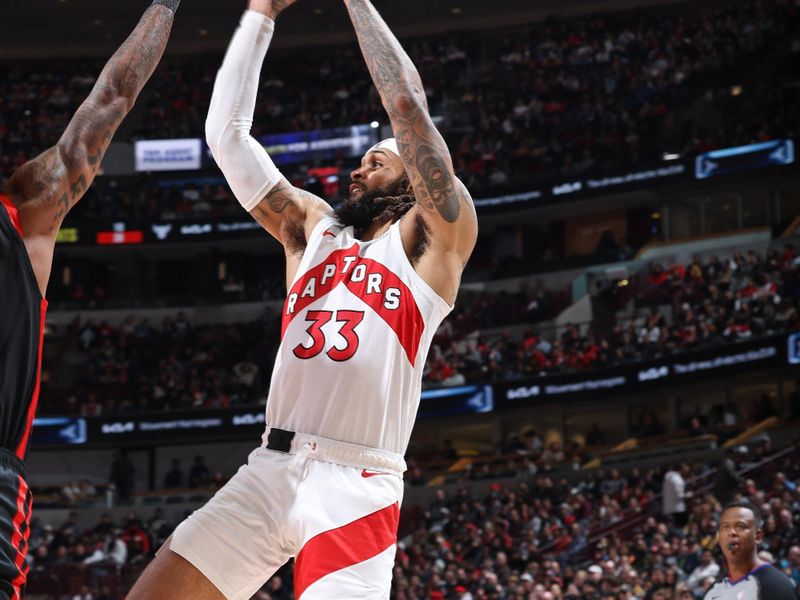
(365, 473)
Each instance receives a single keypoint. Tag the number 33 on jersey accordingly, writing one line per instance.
(357, 320)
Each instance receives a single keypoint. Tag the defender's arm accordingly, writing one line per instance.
(45, 188)
(48, 186)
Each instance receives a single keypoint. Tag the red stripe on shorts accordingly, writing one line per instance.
(345, 546)
(19, 541)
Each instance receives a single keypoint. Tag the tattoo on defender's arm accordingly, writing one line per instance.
(421, 146)
(62, 175)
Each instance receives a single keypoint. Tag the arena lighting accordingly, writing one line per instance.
(622, 283)
(374, 124)
(670, 156)
(736, 90)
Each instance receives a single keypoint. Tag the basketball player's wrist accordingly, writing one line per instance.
(260, 18)
(263, 7)
(170, 4)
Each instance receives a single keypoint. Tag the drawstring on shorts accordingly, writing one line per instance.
(299, 462)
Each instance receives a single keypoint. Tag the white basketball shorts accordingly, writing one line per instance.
(333, 506)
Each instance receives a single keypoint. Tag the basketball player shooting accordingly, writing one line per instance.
(368, 285)
(33, 204)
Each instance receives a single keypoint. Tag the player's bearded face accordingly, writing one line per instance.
(363, 208)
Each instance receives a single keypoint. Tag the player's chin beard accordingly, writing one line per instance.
(378, 205)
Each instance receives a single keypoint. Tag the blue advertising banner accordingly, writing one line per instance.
(320, 144)
(468, 399)
(58, 431)
(744, 158)
(794, 349)
(669, 370)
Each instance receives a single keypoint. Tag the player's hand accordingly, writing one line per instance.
(271, 8)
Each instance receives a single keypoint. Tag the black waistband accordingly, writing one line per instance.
(280, 440)
(12, 461)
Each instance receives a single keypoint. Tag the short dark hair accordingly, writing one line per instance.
(759, 521)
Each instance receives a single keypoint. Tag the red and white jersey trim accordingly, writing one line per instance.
(357, 324)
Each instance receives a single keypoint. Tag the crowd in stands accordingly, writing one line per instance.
(547, 538)
(196, 366)
(611, 92)
(602, 534)
(714, 302)
(143, 199)
(527, 452)
(706, 304)
(218, 277)
(561, 97)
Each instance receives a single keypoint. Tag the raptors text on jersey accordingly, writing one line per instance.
(357, 324)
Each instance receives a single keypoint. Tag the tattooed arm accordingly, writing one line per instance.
(47, 187)
(442, 200)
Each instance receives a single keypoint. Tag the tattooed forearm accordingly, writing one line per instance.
(88, 135)
(395, 76)
(54, 181)
(132, 64)
(424, 152)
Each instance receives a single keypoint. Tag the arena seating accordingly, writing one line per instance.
(517, 516)
(711, 303)
(557, 98)
(597, 534)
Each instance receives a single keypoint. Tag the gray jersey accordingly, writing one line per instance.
(765, 582)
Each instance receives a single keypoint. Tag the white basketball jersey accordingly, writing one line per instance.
(357, 325)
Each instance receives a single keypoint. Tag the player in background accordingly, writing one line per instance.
(367, 286)
(33, 204)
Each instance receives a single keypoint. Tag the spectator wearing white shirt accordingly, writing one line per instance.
(674, 493)
(707, 568)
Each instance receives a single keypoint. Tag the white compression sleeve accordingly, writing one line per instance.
(247, 166)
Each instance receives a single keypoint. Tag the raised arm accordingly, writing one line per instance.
(48, 186)
(279, 207)
(442, 199)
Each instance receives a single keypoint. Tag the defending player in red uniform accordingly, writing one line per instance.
(33, 204)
